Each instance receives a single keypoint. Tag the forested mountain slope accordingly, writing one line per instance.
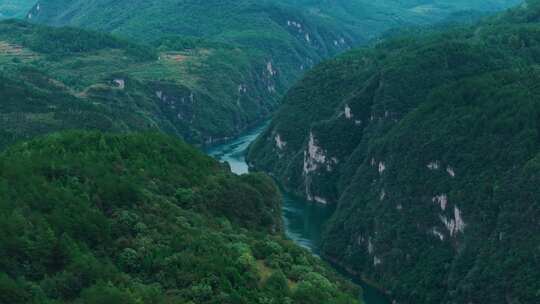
(93, 218)
(292, 34)
(430, 148)
(65, 78)
(265, 45)
(236, 21)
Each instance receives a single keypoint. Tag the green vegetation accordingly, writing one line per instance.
(247, 53)
(93, 218)
(292, 34)
(244, 54)
(66, 78)
(248, 21)
(429, 145)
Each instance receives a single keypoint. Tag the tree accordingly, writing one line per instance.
(103, 293)
(11, 291)
(278, 284)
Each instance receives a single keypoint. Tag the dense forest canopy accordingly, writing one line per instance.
(428, 143)
(93, 218)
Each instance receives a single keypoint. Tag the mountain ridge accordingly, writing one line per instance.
(427, 145)
(275, 41)
(276, 49)
(158, 85)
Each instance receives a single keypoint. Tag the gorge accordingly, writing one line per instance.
(303, 221)
(427, 145)
(144, 145)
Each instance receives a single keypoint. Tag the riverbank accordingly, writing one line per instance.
(304, 221)
(234, 151)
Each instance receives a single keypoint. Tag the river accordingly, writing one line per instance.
(303, 221)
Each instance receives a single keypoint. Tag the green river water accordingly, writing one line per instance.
(304, 221)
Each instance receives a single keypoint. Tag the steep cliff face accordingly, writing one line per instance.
(428, 145)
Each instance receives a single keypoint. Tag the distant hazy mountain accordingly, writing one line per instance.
(233, 20)
(269, 44)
